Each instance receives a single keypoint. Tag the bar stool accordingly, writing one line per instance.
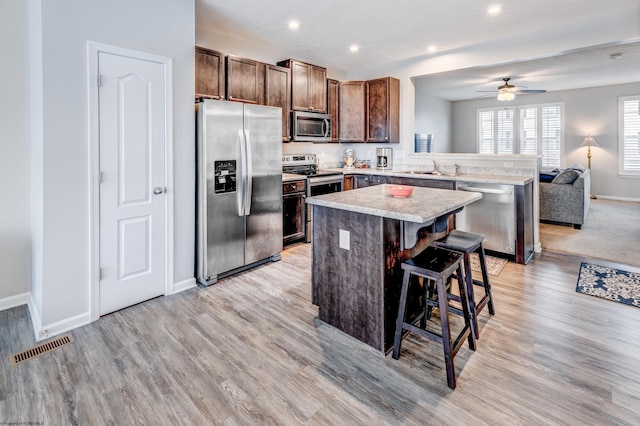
(467, 243)
(436, 264)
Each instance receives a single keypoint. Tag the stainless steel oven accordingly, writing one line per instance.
(294, 211)
(319, 181)
(320, 185)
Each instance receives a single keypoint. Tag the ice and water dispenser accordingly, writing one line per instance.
(225, 176)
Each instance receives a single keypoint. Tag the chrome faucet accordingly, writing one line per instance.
(435, 166)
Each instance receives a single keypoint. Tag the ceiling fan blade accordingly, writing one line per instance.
(530, 91)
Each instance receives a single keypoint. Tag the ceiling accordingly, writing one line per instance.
(543, 44)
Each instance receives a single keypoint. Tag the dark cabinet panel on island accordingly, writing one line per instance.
(210, 75)
(278, 93)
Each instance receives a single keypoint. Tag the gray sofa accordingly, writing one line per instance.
(566, 202)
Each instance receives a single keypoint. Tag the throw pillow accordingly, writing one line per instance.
(547, 177)
(566, 177)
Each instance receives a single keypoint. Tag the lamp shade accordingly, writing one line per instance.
(589, 141)
(505, 95)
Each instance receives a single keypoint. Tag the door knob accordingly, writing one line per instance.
(158, 190)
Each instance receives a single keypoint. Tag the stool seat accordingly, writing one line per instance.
(460, 241)
(436, 265)
(467, 243)
(433, 262)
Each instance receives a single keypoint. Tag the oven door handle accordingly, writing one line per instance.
(325, 179)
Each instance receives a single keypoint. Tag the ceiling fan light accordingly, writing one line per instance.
(506, 95)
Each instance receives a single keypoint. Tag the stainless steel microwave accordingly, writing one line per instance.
(310, 126)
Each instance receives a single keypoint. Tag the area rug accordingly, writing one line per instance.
(609, 283)
(494, 264)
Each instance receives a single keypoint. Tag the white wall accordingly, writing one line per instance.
(14, 154)
(591, 110)
(61, 183)
(434, 115)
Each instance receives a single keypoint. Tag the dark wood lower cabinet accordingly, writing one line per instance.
(425, 183)
(362, 181)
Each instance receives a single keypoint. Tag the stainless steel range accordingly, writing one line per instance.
(318, 181)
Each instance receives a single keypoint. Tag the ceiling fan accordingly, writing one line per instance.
(508, 92)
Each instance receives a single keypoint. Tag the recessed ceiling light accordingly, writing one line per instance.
(432, 48)
(294, 25)
(615, 55)
(494, 10)
(354, 48)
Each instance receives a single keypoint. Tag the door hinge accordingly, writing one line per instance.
(99, 80)
(100, 177)
(100, 274)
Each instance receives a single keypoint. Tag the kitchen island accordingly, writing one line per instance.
(360, 238)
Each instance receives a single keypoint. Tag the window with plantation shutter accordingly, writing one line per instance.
(551, 140)
(629, 152)
(496, 131)
(485, 132)
(505, 131)
(538, 130)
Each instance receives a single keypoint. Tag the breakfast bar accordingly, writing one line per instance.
(360, 237)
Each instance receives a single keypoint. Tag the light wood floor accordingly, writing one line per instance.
(247, 351)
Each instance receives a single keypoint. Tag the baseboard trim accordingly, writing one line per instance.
(184, 285)
(46, 331)
(14, 301)
(607, 197)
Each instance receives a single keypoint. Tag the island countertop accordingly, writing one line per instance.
(424, 205)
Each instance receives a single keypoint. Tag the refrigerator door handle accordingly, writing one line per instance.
(249, 174)
(240, 196)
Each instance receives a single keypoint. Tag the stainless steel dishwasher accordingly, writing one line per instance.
(493, 215)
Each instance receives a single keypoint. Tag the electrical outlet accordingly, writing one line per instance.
(508, 165)
(345, 239)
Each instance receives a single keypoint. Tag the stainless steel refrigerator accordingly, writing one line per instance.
(239, 187)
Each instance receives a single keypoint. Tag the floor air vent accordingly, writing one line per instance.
(41, 349)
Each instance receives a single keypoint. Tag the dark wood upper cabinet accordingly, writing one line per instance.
(210, 78)
(332, 107)
(351, 112)
(383, 110)
(277, 92)
(308, 86)
(245, 80)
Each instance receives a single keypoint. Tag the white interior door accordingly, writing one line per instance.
(132, 189)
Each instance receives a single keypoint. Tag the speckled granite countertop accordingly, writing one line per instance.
(424, 205)
(464, 177)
